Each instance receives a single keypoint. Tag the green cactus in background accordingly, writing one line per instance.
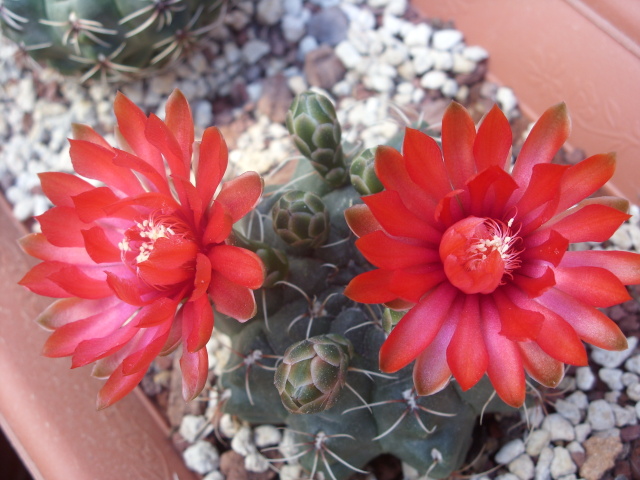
(113, 38)
(322, 347)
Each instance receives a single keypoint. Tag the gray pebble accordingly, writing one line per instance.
(633, 364)
(536, 441)
(510, 451)
(201, 457)
(562, 464)
(612, 359)
(523, 467)
(612, 377)
(568, 410)
(446, 39)
(433, 80)
(600, 415)
(585, 379)
(558, 427)
(633, 392)
(543, 465)
(582, 432)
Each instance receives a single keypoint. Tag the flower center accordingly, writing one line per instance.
(478, 252)
(141, 239)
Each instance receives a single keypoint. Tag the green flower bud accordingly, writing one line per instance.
(316, 132)
(390, 319)
(363, 175)
(313, 372)
(301, 219)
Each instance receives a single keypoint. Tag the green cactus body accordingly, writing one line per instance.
(362, 173)
(115, 38)
(324, 347)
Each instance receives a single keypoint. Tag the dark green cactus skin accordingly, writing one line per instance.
(316, 132)
(116, 38)
(425, 440)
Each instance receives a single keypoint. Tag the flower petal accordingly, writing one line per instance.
(180, 122)
(131, 126)
(59, 187)
(467, 354)
(232, 299)
(584, 178)
(493, 141)
(424, 163)
(84, 132)
(360, 220)
(594, 286)
(117, 387)
(155, 313)
(458, 137)
(238, 265)
(548, 247)
(61, 226)
(505, 369)
(37, 245)
(212, 163)
(431, 372)
(93, 161)
(517, 324)
(195, 369)
(537, 285)
(148, 346)
(386, 252)
(202, 277)
(373, 286)
(412, 283)
(398, 220)
(541, 367)
(589, 223)
(132, 162)
(219, 224)
(241, 194)
(417, 329)
(68, 310)
(93, 349)
(197, 323)
(391, 170)
(545, 139)
(591, 325)
(78, 283)
(489, 192)
(624, 265)
(99, 246)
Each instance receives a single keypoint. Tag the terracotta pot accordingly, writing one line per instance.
(583, 52)
(48, 411)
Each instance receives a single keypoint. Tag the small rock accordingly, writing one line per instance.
(536, 441)
(633, 364)
(449, 88)
(255, 462)
(323, 68)
(582, 432)
(579, 399)
(328, 26)
(522, 467)
(269, 12)
(242, 442)
(433, 80)
(475, 53)
(585, 379)
(254, 50)
(510, 451)
(601, 456)
(543, 465)
(192, 426)
(266, 435)
(577, 452)
(201, 457)
(461, 64)
(600, 415)
(293, 28)
(568, 410)
(624, 415)
(633, 392)
(629, 379)
(562, 464)
(418, 36)
(446, 39)
(506, 99)
(630, 433)
(612, 377)
(290, 472)
(558, 427)
(422, 60)
(348, 54)
(215, 475)
(507, 476)
(613, 359)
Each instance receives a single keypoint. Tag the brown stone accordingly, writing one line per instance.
(232, 467)
(276, 98)
(601, 456)
(323, 68)
(629, 433)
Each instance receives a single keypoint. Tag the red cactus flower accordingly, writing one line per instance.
(137, 261)
(480, 255)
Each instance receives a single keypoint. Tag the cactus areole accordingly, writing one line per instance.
(459, 269)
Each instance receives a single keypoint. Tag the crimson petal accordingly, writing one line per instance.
(212, 163)
(594, 286)
(238, 265)
(424, 163)
(232, 299)
(117, 387)
(458, 137)
(386, 252)
(493, 141)
(241, 194)
(371, 287)
(195, 369)
(417, 329)
(624, 265)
